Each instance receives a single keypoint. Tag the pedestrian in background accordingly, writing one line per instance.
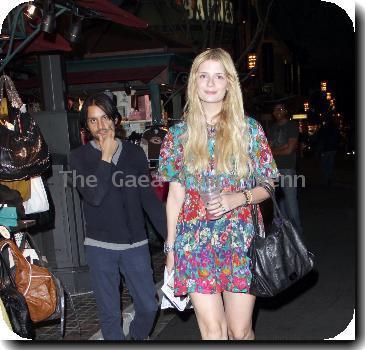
(116, 241)
(283, 139)
(328, 143)
(209, 256)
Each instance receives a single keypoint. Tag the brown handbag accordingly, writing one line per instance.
(35, 283)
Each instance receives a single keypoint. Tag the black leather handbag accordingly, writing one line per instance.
(14, 303)
(279, 258)
(23, 151)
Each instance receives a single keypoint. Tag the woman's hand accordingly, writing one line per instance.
(170, 262)
(226, 202)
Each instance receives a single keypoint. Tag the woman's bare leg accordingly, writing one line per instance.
(238, 309)
(209, 312)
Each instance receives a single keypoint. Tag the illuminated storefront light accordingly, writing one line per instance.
(251, 62)
(299, 116)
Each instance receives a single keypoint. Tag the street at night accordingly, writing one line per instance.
(144, 141)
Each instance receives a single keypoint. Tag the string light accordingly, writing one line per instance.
(30, 11)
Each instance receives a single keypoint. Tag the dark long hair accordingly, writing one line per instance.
(105, 103)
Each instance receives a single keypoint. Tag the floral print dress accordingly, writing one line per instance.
(211, 256)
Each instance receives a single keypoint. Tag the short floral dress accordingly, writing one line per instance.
(211, 256)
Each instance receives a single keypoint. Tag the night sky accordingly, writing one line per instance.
(322, 37)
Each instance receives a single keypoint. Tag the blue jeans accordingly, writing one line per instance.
(134, 264)
(287, 197)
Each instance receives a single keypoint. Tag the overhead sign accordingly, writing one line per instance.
(196, 10)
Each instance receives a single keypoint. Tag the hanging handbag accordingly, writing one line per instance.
(4, 314)
(38, 201)
(27, 243)
(11, 198)
(14, 303)
(22, 186)
(279, 258)
(23, 151)
(8, 216)
(34, 282)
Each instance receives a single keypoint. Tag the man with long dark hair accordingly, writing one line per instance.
(113, 180)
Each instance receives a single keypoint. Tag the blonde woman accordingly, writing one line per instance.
(209, 257)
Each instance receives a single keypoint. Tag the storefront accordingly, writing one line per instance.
(148, 89)
(148, 85)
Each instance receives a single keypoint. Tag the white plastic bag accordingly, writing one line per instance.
(168, 299)
(38, 201)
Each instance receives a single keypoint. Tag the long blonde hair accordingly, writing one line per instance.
(232, 138)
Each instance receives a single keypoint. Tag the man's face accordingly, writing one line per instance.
(98, 122)
(279, 112)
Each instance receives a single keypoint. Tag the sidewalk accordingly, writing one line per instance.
(85, 307)
(323, 306)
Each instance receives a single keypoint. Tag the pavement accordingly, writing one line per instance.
(318, 307)
(85, 307)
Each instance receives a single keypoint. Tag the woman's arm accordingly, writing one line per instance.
(175, 200)
(232, 200)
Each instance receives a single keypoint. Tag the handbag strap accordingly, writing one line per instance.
(27, 238)
(5, 268)
(11, 91)
(254, 208)
(271, 191)
(255, 220)
(17, 254)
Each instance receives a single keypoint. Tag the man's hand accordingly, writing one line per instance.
(108, 145)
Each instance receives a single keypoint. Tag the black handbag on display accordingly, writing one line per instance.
(279, 258)
(14, 303)
(23, 151)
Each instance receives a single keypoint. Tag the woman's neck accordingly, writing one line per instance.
(211, 112)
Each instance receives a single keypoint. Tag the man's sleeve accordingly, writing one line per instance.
(92, 185)
(153, 207)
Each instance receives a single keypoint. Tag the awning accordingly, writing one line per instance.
(42, 42)
(113, 13)
(144, 74)
(55, 42)
(47, 42)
